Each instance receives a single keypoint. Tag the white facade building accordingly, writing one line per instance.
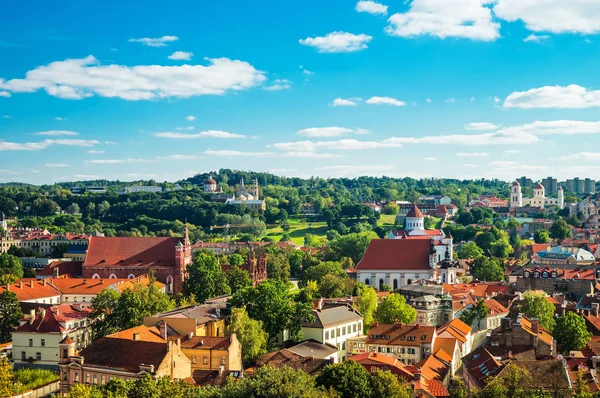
(539, 198)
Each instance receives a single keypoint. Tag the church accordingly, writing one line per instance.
(243, 196)
(539, 198)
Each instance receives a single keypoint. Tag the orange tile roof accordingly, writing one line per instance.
(369, 358)
(51, 320)
(458, 325)
(446, 344)
(543, 334)
(495, 307)
(83, 285)
(32, 289)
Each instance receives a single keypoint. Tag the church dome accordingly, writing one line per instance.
(210, 181)
(539, 186)
(516, 183)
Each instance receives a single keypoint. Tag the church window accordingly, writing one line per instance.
(96, 276)
(367, 282)
(380, 284)
(395, 284)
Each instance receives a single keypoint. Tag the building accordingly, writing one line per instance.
(31, 292)
(210, 185)
(211, 357)
(551, 185)
(523, 334)
(284, 357)
(41, 241)
(143, 188)
(580, 186)
(461, 332)
(126, 355)
(199, 320)
(316, 350)
(36, 342)
(333, 324)
(539, 199)
(3, 222)
(525, 182)
(409, 343)
(435, 200)
(478, 366)
(586, 207)
(432, 310)
(127, 258)
(243, 196)
(562, 256)
(494, 319)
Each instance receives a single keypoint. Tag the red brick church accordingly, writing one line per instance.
(125, 257)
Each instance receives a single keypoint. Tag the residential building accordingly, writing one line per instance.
(408, 343)
(39, 240)
(525, 182)
(143, 188)
(212, 355)
(494, 319)
(576, 281)
(199, 320)
(551, 185)
(585, 207)
(333, 324)
(479, 366)
(284, 357)
(562, 256)
(127, 257)
(36, 341)
(432, 310)
(316, 350)
(435, 199)
(580, 186)
(461, 332)
(126, 355)
(539, 199)
(523, 334)
(32, 291)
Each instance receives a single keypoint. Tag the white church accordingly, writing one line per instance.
(539, 197)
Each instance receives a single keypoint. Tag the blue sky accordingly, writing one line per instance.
(422, 88)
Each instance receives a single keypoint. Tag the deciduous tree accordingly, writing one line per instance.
(250, 333)
(395, 309)
(10, 314)
(205, 278)
(571, 332)
(535, 305)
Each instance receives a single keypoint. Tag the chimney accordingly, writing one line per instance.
(190, 335)
(398, 324)
(20, 285)
(221, 370)
(535, 325)
(56, 272)
(163, 330)
(30, 283)
(320, 304)
(595, 308)
(44, 281)
(85, 281)
(136, 337)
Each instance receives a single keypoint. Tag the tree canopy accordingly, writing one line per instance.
(394, 309)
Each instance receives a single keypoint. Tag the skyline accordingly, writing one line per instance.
(500, 90)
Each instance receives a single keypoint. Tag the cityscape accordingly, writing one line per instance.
(341, 199)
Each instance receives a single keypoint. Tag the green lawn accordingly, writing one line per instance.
(387, 219)
(298, 229)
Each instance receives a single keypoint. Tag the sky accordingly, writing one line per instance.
(337, 88)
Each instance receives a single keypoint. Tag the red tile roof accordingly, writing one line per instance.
(82, 285)
(407, 254)
(415, 212)
(372, 358)
(49, 320)
(31, 289)
(131, 252)
(72, 268)
(495, 307)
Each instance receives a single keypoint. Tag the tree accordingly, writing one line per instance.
(205, 278)
(470, 250)
(367, 304)
(386, 385)
(501, 249)
(6, 378)
(73, 208)
(270, 303)
(10, 315)
(352, 245)
(250, 334)
(394, 309)
(560, 230)
(582, 389)
(335, 286)
(309, 293)
(278, 267)
(486, 269)
(571, 332)
(10, 264)
(350, 379)
(485, 241)
(535, 305)
(318, 272)
(238, 279)
(541, 236)
(236, 260)
(458, 389)
(473, 315)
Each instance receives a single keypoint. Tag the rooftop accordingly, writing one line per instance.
(398, 334)
(408, 254)
(332, 314)
(131, 252)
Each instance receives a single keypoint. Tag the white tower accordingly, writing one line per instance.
(516, 197)
(3, 223)
(561, 198)
(414, 219)
(210, 185)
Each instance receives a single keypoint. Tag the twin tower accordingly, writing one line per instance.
(539, 197)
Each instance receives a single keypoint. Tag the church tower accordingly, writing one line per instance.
(414, 219)
(183, 258)
(3, 222)
(255, 193)
(561, 198)
(516, 197)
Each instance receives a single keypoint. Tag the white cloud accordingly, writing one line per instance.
(385, 101)
(330, 131)
(180, 157)
(95, 152)
(86, 77)
(451, 100)
(429, 158)
(279, 84)
(588, 156)
(185, 128)
(4, 94)
(57, 165)
(495, 138)
(470, 19)
(481, 126)
(60, 119)
(57, 133)
(190, 118)
(512, 151)
(342, 102)
(337, 42)
(36, 146)
(472, 99)
(533, 38)
(155, 42)
(290, 154)
(554, 127)
(496, 99)
(341, 145)
(137, 175)
(371, 7)
(473, 154)
(569, 97)
(428, 100)
(556, 16)
(181, 56)
(110, 142)
(7, 117)
(202, 134)
(86, 177)
(119, 161)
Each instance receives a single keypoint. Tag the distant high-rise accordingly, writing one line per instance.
(551, 185)
(580, 186)
(525, 182)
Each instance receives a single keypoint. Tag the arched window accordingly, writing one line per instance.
(395, 284)
(380, 284)
(367, 282)
(95, 276)
(444, 278)
(112, 276)
(131, 276)
(169, 284)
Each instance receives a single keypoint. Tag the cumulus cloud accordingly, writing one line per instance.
(588, 156)
(4, 94)
(569, 97)
(36, 146)
(279, 84)
(330, 131)
(57, 165)
(95, 152)
(119, 161)
(290, 154)
(482, 126)
(371, 7)
(385, 101)
(81, 78)
(554, 127)
(533, 38)
(181, 56)
(190, 118)
(496, 138)
(155, 42)
(337, 42)
(469, 19)
(339, 145)
(451, 100)
(556, 16)
(202, 134)
(473, 154)
(342, 102)
(57, 133)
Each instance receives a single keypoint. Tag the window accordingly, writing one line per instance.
(343, 330)
(193, 359)
(337, 333)
(23, 356)
(65, 353)
(75, 299)
(327, 335)
(222, 361)
(30, 342)
(65, 376)
(367, 282)
(76, 377)
(354, 328)
(204, 360)
(95, 379)
(359, 326)
(66, 299)
(43, 343)
(343, 345)
(87, 378)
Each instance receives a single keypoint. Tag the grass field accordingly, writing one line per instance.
(298, 229)
(386, 219)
